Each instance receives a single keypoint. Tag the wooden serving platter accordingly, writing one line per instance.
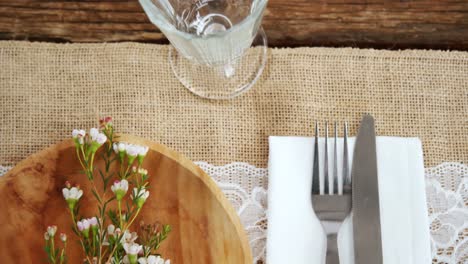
(205, 227)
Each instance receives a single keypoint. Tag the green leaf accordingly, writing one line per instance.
(47, 250)
(102, 175)
(113, 217)
(95, 195)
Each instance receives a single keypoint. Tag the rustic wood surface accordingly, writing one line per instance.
(205, 228)
(435, 24)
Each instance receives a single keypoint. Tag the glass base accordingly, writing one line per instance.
(226, 81)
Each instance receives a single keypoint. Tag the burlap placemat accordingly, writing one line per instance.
(48, 89)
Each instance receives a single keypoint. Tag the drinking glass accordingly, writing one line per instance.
(219, 49)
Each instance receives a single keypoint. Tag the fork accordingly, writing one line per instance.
(334, 204)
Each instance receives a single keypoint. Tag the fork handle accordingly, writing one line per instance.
(332, 249)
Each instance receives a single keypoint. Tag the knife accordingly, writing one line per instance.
(365, 196)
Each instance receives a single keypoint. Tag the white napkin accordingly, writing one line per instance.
(295, 234)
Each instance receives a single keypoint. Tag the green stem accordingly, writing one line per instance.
(81, 240)
(62, 258)
(133, 219)
(127, 170)
(83, 153)
(94, 244)
(79, 158)
(52, 249)
(120, 213)
(91, 169)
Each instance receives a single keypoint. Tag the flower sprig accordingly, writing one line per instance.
(106, 237)
(55, 254)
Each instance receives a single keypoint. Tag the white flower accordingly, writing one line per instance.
(140, 196)
(97, 137)
(83, 225)
(46, 236)
(100, 138)
(63, 237)
(122, 146)
(143, 193)
(153, 260)
(93, 132)
(120, 188)
(51, 230)
(132, 248)
(140, 171)
(142, 150)
(132, 150)
(93, 221)
(129, 237)
(72, 193)
(119, 147)
(78, 133)
(110, 230)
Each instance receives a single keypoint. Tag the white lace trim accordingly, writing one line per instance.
(447, 200)
(246, 187)
(4, 169)
(447, 197)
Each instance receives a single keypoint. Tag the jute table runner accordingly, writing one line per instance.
(48, 89)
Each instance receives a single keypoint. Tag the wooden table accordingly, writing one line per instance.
(437, 24)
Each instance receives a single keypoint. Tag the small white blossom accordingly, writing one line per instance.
(97, 137)
(63, 237)
(120, 147)
(46, 236)
(93, 132)
(143, 193)
(72, 193)
(120, 188)
(132, 150)
(83, 224)
(140, 171)
(110, 230)
(129, 237)
(78, 133)
(93, 222)
(101, 138)
(140, 196)
(51, 230)
(132, 248)
(142, 150)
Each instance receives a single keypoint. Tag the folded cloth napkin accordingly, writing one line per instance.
(295, 234)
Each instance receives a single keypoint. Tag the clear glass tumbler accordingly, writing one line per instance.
(218, 48)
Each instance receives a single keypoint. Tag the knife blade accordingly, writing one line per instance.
(365, 196)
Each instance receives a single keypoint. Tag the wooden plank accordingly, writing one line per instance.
(441, 24)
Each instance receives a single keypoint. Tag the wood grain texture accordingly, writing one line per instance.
(206, 229)
(440, 24)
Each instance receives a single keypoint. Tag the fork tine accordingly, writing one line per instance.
(335, 164)
(325, 164)
(315, 172)
(346, 175)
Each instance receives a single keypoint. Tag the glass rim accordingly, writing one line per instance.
(163, 23)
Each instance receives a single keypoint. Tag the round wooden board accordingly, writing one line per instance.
(205, 227)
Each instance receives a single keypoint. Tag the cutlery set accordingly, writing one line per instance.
(357, 190)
